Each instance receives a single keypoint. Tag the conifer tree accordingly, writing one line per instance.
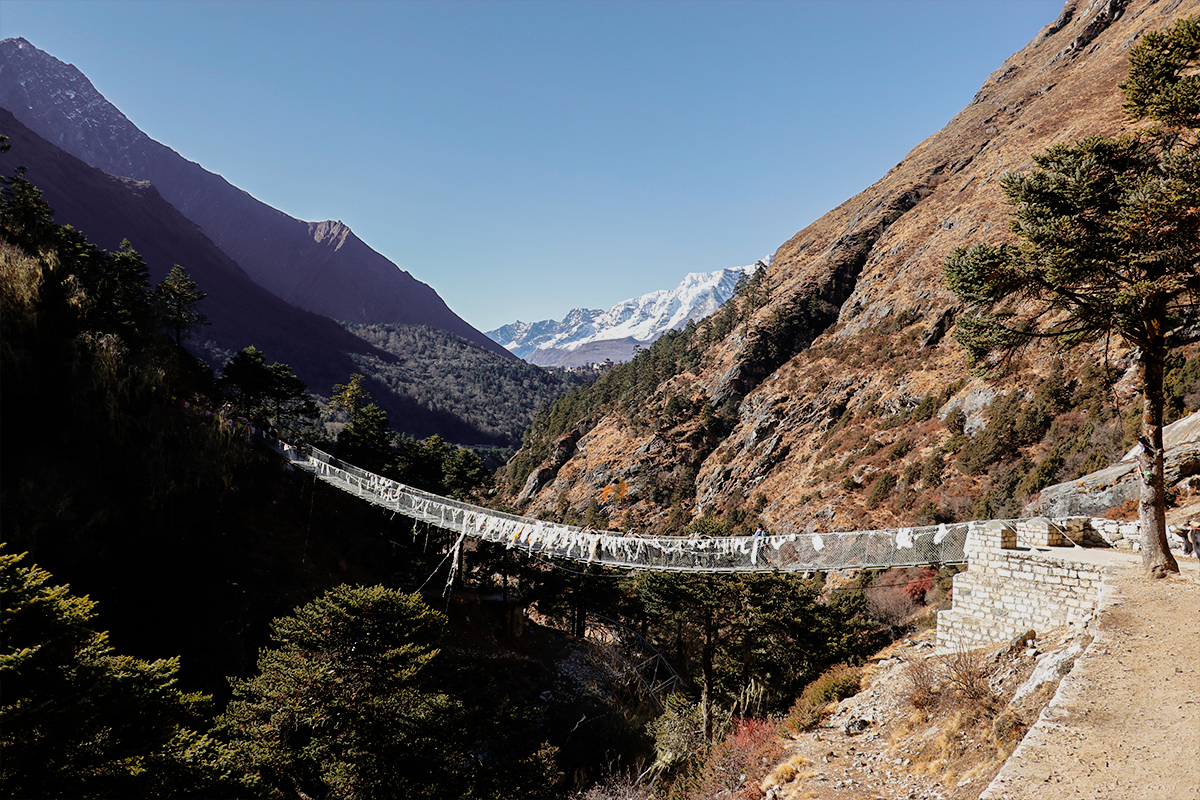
(83, 721)
(1108, 247)
(366, 441)
(176, 298)
(351, 702)
(246, 380)
(256, 389)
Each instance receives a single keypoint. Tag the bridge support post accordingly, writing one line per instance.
(986, 537)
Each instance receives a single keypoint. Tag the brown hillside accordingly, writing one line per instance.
(810, 437)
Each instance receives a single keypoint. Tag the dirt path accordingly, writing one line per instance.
(1125, 722)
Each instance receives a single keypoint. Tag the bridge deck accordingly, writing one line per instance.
(777, 552)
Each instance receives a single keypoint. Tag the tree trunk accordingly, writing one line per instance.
(1157, 560)
(706, 669)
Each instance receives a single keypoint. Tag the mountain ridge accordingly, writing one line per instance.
(619, 331)
(339, 276)
(478, 403)
(831, 403)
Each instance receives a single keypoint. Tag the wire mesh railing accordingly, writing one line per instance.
(775, 552)
(655, 676)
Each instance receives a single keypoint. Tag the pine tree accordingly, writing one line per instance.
(246, 381)
(83, 721)
(349, 703)
(1108, 246)
(258, 390)
(366, 441)
(176, 298)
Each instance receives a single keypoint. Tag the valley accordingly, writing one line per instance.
(741, 538)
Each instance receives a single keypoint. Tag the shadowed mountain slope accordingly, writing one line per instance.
(319, 266)
(108, 209)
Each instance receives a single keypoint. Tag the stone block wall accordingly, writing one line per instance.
(1007, 591)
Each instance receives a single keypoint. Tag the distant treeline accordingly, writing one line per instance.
(448, 386)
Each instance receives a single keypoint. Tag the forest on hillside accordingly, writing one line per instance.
(457, 389)
(279, 638)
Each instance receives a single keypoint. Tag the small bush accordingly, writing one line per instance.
(968, 674)
(1007, 730)
(618, 785)
(922, 684)
(931, 472)
(899, 450)
(836, 683)
(889, 605)
(881, 488)
(926, 410)
(740, 760)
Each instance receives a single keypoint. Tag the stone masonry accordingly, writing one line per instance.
(1016, 581)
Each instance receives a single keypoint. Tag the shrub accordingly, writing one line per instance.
(899, 449)
(740, 760)
(889, 605)
(881, 488)
(926, 410)
(931, 472)
(968, 674)
(836, 683)
(922, 683)
(618, 785)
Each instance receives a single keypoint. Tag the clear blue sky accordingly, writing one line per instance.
(525, 158)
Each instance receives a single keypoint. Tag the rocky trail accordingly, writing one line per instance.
(1124, 722)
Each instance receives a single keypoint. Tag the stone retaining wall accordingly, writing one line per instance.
(1007, 590)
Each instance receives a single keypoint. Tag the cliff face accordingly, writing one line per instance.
(868, 278)
(318, 266)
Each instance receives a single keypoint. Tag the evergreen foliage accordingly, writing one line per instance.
(348, 703)
(448, 386)
(176, 298)
(366, 441)
(83, 721)
(257, 391)
(1106, 247)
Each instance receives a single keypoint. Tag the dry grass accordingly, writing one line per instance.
(922, 683)
(785, 772)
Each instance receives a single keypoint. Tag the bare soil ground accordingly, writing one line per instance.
(1126, 720)
(1124, 723)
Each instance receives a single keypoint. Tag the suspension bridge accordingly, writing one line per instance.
(779, 551)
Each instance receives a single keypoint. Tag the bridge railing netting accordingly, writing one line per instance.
(775, 552)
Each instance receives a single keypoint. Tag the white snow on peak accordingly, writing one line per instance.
(637, 321)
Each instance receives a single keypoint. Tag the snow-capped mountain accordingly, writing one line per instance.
(591, 335)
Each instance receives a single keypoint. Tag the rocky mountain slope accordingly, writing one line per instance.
(319, 266)
(592, 335)
(835, 398)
